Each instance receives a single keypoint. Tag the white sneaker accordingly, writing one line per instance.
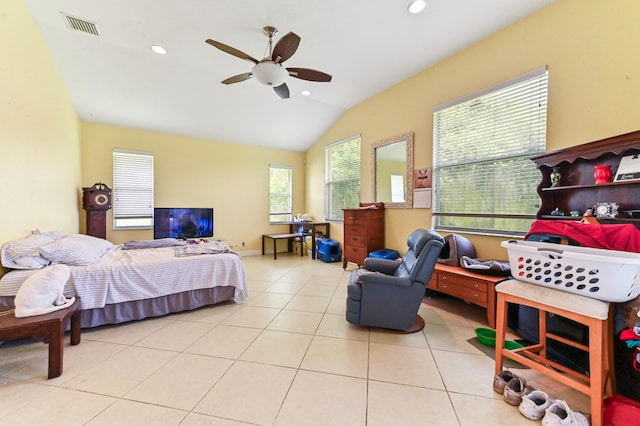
(534, 404)
(559, 414)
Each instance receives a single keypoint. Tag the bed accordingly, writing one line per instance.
(131, 281)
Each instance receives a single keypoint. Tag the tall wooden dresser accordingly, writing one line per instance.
(363, 232)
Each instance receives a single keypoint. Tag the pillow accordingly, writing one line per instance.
(456, 246)
(41, 293)
(25, 253)
(76, 249)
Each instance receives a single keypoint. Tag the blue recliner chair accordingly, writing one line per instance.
(388, 293)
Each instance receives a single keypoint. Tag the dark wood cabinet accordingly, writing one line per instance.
(577, 190)
(363, 232)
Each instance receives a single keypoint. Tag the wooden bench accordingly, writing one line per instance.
(276, 237)
(48, 328)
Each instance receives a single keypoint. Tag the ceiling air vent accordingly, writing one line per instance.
(80, 24)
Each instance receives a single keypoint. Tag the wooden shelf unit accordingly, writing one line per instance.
(578, 190)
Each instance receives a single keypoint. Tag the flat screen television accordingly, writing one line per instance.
(182, 222)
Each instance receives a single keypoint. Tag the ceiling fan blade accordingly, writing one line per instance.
(282, 91)
(285, 48)
(232, 51)
(309, 74)
(237, 78)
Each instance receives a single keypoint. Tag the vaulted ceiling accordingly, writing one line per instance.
(367, 46)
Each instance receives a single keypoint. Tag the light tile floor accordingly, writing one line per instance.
(285, 357)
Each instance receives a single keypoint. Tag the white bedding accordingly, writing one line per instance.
(126, 275)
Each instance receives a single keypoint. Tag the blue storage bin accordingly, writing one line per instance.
(385, 254)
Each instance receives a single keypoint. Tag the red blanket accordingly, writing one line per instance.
(623, 237)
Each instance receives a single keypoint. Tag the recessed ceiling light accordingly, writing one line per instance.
(305, 93)
(417, 6)
(159, 50)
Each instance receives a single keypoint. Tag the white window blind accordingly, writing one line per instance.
(132, 189)
(342, 177)
(484, 180)
(280, 194)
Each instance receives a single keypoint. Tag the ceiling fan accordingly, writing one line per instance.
(269, 70)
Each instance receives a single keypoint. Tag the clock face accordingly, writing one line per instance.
(609, 210)
(101, 199)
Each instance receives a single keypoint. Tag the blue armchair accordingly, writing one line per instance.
(388, 293)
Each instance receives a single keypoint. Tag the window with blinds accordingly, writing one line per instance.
(483, 178)
(342, 177)
(132, 190)
(279, 194)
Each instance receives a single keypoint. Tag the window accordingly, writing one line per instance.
(342, 181)
(132, 190)
(483, 178)
(279, 194)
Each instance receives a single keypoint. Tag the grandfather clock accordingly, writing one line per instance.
(96, 200)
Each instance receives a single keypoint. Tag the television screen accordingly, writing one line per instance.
(182, 222)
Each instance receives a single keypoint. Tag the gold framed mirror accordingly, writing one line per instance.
(392, 171)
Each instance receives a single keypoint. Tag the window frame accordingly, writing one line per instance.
(531, 92)
(353, 179)
(127, 171)
(288, 193)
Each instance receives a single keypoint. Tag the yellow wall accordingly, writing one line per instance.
(590, 47)
(39, 133)
(190, 172)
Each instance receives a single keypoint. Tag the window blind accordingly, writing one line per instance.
(342, 177)
(484, 180)
(132, 189)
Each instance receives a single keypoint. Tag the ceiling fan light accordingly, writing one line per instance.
(417, 6)
(159, 49)
(269, 73)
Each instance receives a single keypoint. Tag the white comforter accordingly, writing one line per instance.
(124, 275)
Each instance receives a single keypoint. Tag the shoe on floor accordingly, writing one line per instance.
(559, 414)
(534, 404)
(515, 390)
(501, 380)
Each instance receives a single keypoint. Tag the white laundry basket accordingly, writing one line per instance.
(608, 275)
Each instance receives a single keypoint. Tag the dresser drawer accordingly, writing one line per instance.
(353, 252)
(460, 281)
(355, 241)
(355, 230)
(354, 218)
(476, 297)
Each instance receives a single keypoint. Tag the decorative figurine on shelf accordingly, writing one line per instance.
(557, 212)
(602, 174)
(555, 177)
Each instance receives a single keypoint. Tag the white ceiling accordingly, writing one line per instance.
(367, 45)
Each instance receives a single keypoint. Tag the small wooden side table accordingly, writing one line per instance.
(48, 328)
